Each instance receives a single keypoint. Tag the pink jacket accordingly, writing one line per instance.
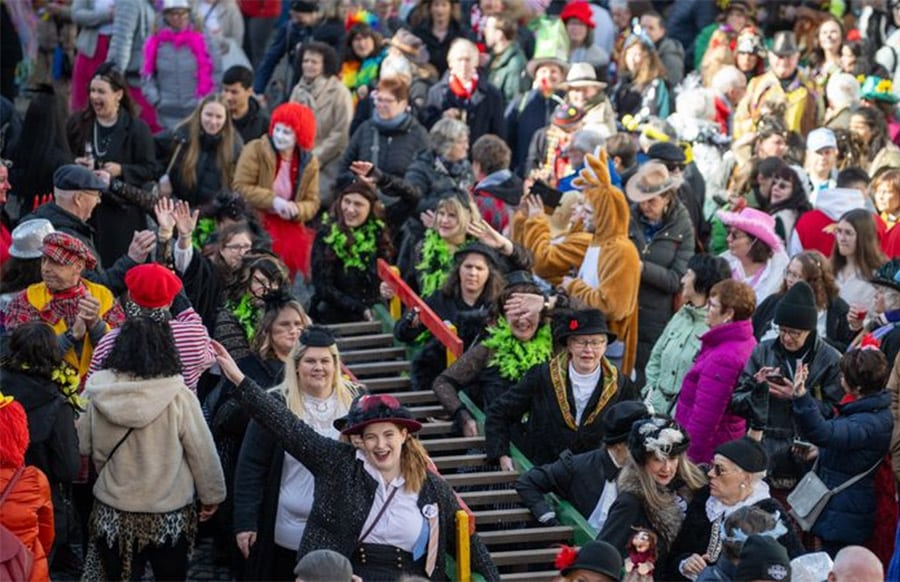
(708, 386)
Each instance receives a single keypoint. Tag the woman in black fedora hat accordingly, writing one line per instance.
(564, 397)
(377, 504)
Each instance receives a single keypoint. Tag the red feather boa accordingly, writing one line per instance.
(196, 43)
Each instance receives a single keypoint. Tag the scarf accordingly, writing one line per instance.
(434, 268)
(63, 305)
(382, 124)
(716, 509)
(513, 357)
(195, 42)
(463, 90)
(356, 250)
(246, 312)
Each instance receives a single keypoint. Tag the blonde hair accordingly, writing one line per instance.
(293, 393)
(463, 212)
(413, 463)
(687, 471)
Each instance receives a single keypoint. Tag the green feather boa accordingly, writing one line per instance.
(246, 313)
(514, 357)
(205, 229)
(436, 262)
(358, 253)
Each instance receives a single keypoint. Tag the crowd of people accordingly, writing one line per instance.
(665, 232)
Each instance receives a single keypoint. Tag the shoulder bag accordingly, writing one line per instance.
(811, 495)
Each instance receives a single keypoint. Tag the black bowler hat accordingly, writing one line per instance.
(618, 419)
(371, 408)
(597, 556)
(302, 6)
(317, 336)
(746, 453)
(763, 558)
(666, 152)
(476, 247)
(581, 322)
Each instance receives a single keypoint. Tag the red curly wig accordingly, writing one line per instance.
(13, 432)
(298, 117)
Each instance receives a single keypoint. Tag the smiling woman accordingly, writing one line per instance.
(352, 238)
(378, 505)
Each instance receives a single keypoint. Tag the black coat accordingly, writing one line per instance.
(208, 181)
(344, 490)
(53, 442)
(524, 117)
(204, 284)
(752, 401)
(579, 479)
(64, 221)
(342, 294)
(438, 48)
(394, 151)
(697, 529)
(131, 145)
(257, 488)
(837, 329)
(546, 432)
(665, 258)
(483, 110)
(254, 124)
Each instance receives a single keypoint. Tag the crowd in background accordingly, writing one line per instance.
(666, 233)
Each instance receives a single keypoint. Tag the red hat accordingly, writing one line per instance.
(65, 249)
(152, 285)
(298, 117)
(580, 10)
(13, 432)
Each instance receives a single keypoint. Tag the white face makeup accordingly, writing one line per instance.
(283, 137)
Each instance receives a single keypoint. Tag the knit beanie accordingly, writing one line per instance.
(797, 309)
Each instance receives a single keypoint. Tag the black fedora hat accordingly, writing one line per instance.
(784, 44)
(371, 408)
(597, 556)
(582, 322)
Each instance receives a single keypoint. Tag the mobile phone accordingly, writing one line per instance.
(802, 444)
(776, 379)
(549, 196)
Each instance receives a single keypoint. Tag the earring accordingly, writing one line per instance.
(743, 485)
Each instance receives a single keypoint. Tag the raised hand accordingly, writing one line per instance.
(164, 218)
(185, 219)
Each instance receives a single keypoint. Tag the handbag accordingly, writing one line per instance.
(809, 498)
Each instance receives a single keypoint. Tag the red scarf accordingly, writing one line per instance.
(460, 90)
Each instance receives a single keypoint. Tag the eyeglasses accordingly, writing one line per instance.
(736, 234)
(96, 193)
(585, 343)
(794, 334)
(718, 470)
(238, 247)
(781, 184)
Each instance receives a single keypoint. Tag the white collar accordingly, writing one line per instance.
(715, 508)
(398, 481)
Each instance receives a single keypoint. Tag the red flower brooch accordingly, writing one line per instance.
(573, 325)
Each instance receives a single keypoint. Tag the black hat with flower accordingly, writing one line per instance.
(371, 408)
(568, 323)
(660, 436)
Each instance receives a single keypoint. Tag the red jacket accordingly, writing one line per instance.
(28, 513)
(815, 232)
(260, 8)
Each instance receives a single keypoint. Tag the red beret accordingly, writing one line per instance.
(152, 285)
(298, 117)
(580, 11)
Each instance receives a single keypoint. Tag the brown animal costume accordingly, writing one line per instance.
(618, 269)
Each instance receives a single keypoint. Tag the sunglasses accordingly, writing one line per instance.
(718, 470)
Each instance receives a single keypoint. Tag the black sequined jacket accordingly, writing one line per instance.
(345, 492)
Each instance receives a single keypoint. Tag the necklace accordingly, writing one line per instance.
(97, 151)
(320, 411)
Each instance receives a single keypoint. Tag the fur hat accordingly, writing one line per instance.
(660, 436)
(13, 432)
(299, 118)
(756, 223)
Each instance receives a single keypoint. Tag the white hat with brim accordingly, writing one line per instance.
(651, 180)
(756, 223)
(581, 75)
(536, 63)
(176, 5)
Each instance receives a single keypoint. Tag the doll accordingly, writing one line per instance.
(640, 563)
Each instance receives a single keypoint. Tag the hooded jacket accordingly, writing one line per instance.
(169, 455)
(618, 266)
(811, 230)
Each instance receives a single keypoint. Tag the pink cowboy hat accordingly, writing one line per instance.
(755, 223)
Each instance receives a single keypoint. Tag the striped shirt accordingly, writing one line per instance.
(191, 340)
